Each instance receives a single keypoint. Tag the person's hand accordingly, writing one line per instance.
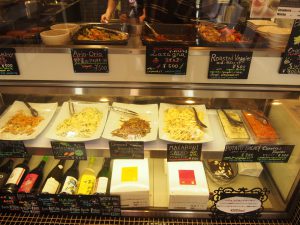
(123, 18)
(105, 18)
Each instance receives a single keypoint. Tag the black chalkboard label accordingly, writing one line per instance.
(28, 203)
(89, 204)
(12, 149)
(48, 203)
(90, 60)
(166, 60)
(68, 150)
(183, 152)
(229, 65)
(8, 62)
(9, 202)
(110, 205)
(69, 204)
(126, 150)
(290, 63)
(257, 153)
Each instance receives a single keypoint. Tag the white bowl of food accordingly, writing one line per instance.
(71, 27)
(55, 37)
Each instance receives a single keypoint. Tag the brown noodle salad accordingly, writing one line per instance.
(135, 127)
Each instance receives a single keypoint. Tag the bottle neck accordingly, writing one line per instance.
(75, 164)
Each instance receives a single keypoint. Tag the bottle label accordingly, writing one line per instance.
(86, 185)
(15, 176)
(28, 182)
(70, 185)
(3, 178)
(101, 185)
(51, 186)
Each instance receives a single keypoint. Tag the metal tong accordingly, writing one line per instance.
(33, 111)
(122, 110)
(258, 116)
(231, 120)
(71, 107)
(198, 121)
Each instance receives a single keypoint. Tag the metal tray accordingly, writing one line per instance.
(113, 27)
(184, 34)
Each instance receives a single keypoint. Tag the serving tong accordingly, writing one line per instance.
(159, 37)
(123, 110)
(198, 121)
(263, 119)
(231, 120)
(33, 111)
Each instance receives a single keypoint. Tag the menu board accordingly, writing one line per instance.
(28, 203)
(183, 152)
(110, 205)
(166, 60)
(288, 9)
(69, 150)
(69, 204)
(290, 63)
(9, 202)
(126, 150)
(90, 60)
(257, 153)
(89, 204)
(8, 62)
(48, 203)
(229, 65)
(12, 149)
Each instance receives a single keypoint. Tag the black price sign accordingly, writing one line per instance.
(288, 9)
(68, 150)
(8, 62)
(9, 202)
(257, 153)
(28, 203)
(166, 60)
(90, 60)
(89, 204)
(69, 204)
(110, 205)
(229, 65)
(126, 150)
(12, 149)
(48, 203)
(290, 63)
(183, 152)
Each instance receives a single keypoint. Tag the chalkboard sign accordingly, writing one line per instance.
(9, 202)
(110, 205)
(90, 60)
(288, 9)
(183, 152)
(28, 203)
(126, 150)
(229, 65)
(68, 150)
(69, 204)
(257, 153)
(166, 60)
(12, 149)
(290, 63)
(48, 203)
(89, 204)
(8, 62)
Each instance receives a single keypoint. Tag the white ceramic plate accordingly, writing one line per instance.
(207, 136)
(78, 107)
(46, 110)
(148, 112)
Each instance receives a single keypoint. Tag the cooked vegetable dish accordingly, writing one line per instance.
(98, 34)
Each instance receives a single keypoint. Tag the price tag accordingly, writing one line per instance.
(69, 150)
(110, 205)
(89, 204)
(69, 204)
(229, 65)
(126, 150)
(8, 62)
(12, 149)
(183, 152)
(257, 153)
(9, 202)
(290, 63)
(166, 60)
(28, 203)
(48, 203)
(288, 9)
(90, 60)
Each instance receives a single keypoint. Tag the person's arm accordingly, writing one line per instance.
(111, 6)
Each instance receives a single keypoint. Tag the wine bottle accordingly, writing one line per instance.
(34, 178)
(102, 178)
(5, 171)
(70, 179)
(87, 179)
(54, 179)
(16, 177)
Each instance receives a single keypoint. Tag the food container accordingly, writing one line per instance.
(260, 128)
(220, 172)
(55, 37)
(71, 27)
(108, 34)
(234, 133)
(184, 34)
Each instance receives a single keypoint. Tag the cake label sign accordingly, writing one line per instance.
(229, 65)
(166, 60)
(68, 150)
(126, 149)
(257, 153)
(290, 62)
(12, 149)
(90, 60)
(8, 62)
(183, 152)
